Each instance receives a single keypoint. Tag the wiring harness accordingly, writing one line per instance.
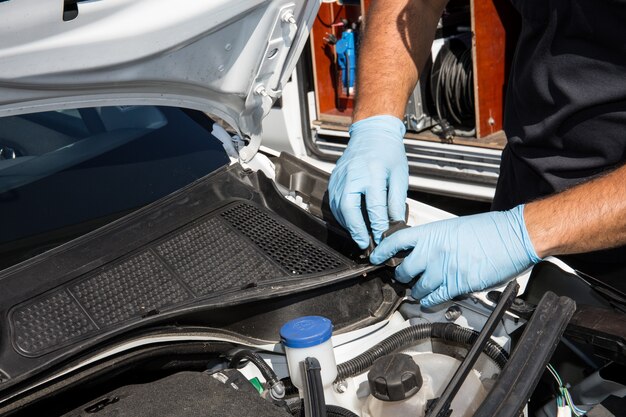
(564, 403)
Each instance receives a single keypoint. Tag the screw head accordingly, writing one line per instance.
(453, 313)
(341, 386)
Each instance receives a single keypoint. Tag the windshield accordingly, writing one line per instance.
(64, 173)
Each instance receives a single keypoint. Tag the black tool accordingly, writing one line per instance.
(394, 226)
(397, 259)
(519, 306)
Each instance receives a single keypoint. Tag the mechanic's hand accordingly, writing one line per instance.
(461, 255)
(373, 164)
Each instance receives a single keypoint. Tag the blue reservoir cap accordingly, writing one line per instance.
(306, 331)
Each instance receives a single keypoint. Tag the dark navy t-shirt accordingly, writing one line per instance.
(565, 112)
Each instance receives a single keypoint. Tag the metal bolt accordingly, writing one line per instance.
(341, 386)
(228, 47)
(453, 313)
(260, 90)
(288, 17)
(277, 391)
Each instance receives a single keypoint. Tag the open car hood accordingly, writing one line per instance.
(229, 58)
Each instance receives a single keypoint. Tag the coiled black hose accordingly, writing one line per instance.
(405, 337)
(453, 87)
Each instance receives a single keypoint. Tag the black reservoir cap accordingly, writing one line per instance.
(394, 377)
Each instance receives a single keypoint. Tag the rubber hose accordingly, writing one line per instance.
(455, 333)
(297, 410)
(246, 354)
(405, 337)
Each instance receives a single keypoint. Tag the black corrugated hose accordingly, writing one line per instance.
(297, 410)
(405, 337)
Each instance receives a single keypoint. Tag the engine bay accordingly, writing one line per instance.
(187, 378)
(398, 366)
(327, 335)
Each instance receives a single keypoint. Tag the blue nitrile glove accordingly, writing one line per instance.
(461, 255)
(373, 164)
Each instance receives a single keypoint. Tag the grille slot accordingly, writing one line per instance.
(212, 257)
(53, 320)
(289, 249)
(132, 288)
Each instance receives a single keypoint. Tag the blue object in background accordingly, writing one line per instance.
(346, 58)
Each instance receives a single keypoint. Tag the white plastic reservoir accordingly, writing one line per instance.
(309, 337)
(436, 371)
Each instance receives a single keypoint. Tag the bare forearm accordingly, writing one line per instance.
(395, 46)
(588, 217)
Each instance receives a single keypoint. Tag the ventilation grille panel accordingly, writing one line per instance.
(234, 248)
(286, 247)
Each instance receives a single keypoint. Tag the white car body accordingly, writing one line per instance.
(228, 58)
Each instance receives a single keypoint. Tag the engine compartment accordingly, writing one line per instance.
(185, 377)
(191, 378)
(222, 353)
(191, 372)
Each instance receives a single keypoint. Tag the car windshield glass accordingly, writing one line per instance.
(64, 173)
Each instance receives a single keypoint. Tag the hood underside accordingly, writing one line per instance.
(229, 58)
